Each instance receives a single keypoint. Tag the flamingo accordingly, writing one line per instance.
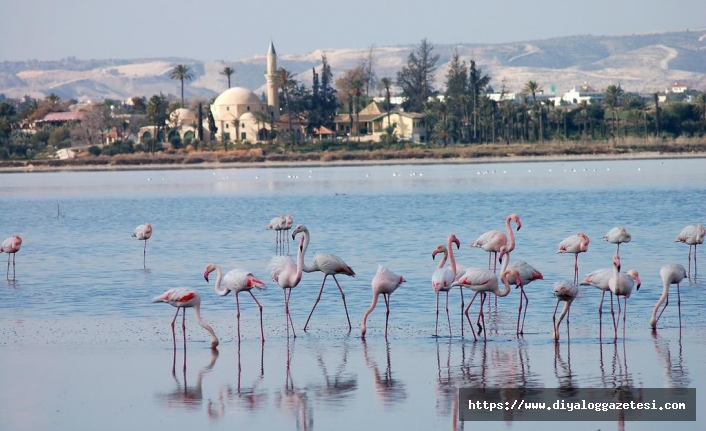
(288, 222)
(329, 264)
(692, 235)
(183, 298)
(287, 274)
(621, 285)
(617, 235)
(672, 273)
(599, 279)
(527, 275)
(11, 246)
(143, 232)
(493, 240)
(442, 278)
(385, 282)
(564, 291)
(483, 281)
(575, 244)
(237, 280)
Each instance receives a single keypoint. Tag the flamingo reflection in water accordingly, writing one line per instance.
(293, 400)
(676, 374)
(185, 396)
(339, 387)
(389, 390)
(250, 398)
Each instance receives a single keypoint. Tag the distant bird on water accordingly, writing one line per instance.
(575, 244)
(183, 298)
(329, 264)
(143, 232)
(693, 236)
(617, 235)
(281, 225)
(385, 282)
(11, 246)
(672, 273)
(236, 280)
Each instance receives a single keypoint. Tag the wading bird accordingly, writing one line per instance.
(528, 274)
(385, 282)
(443, 278)
(492, 241)
(672, 273)
(287, 274)
(617, 235)
(183, 298)
(237, 280)
(693, 236)
(564, 291)
(621, 285)
(11, 246)
(575, 244)
(143, 232)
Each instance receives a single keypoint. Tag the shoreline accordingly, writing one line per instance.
(337, 163)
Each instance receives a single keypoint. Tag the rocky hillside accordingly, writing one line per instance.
(643, 63)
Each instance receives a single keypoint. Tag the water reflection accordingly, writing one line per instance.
(677, 376)
(338, 387)
(184, 396)
(389, 390)
(446, 388)
(250, 398)
(620, 380)
(292, 400)
(562, 371)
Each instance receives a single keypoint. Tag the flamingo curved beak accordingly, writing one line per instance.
(205, 275)
(458, 244)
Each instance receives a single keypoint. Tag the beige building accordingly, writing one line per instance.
(373, 120)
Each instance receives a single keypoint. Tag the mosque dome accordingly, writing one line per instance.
(238, 96)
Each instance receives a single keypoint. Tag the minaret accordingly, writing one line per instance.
(272, 96)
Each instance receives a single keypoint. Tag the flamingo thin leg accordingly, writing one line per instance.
(386, 297)
(679, 305)
(448, 318)
(461, 289)
(237, 313)
(343, 297)
(556, 330)
(318, 298)
(262, 331)
(436, 332)
(469, 319)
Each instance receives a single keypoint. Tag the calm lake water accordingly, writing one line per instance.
(82, 347)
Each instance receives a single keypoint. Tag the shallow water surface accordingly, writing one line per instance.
(82, 347)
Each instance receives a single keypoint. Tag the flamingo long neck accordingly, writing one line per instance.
(305, 267)
(368, 311)
(665, 295)
(219, 278)
(452, 259)
(300, 261)
(510, 235)
(564, 310)
(443, 262)
(206, 326)
(506, 290)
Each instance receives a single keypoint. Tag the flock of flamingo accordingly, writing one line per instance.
(287, 274)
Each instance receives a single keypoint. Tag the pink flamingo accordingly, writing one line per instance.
(567, 292)
(288, 222)
(528, 274)
(288, 275)
(672, 273)
(493, 240)
(385, 282)
(277, 224)
(621, 285)
(183, 298)
(617, 235)
(11, 246)
(692, 235)
(442, 278)
(329, 264)
(483, 281)
(143, 232)
(575, 244)
(237, 280)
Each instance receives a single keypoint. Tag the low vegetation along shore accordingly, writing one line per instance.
(261, 157)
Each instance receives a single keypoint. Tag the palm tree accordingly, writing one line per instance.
(227, 72)
(613, 98)
(385, 84)
(285, 82)
(700, 102)
(356, 92)
(181, 72)
(532, 88)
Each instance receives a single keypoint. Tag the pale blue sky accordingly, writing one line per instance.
(234, 29)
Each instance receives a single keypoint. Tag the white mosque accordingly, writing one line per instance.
(239, 114)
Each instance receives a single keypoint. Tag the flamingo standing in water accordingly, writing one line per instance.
(288, 275)
(11, 246)
(143, 232)
(237, 280)
(621, 285)
(492, 241)
(329, 264)
(385, 282)
(183, 298)
(528, 274)
(443, 278)
(617, 235)
(575, 244)
(599, 279)
(672, 273)
(483, 281)
(692, 235)
(567, 292)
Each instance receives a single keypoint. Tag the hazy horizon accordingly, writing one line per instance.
(130, 29)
